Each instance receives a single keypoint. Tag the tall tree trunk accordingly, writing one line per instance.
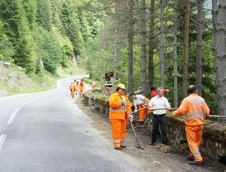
(199, 47)
(130, 47)
(116, 36)
(186, 44)
(151, 45)
(162, 44)
(175, 55)
(143, 47)
(219, 22)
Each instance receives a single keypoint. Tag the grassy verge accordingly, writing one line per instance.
(22, 83)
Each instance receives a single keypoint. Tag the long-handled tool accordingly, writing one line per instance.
(210, 116)
(169, 109)
(138, 144)
(216, 116)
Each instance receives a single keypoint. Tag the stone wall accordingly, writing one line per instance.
(214, 136)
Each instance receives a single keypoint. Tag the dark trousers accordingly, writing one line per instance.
(156, 120)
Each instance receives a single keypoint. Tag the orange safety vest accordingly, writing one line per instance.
(194, 110)
(81, 86)
(75, 86)
(118, 111)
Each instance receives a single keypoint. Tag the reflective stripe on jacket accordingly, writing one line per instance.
(194, 110)
(117, 111)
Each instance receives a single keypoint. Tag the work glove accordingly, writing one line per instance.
(123, 102)
(151, 108)
(131, 117)
(145, 106)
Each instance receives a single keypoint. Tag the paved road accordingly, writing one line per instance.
(46, 132)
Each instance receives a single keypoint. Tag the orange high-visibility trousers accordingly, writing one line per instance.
(194, 137)
(118, 131)
(142, 113)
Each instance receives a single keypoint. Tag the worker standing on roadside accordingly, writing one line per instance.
(72, 90)
(195, 110)
(75, 87)
(93, 85)
(82, 88)
(159, 117)
(120, 108)
(141, 106)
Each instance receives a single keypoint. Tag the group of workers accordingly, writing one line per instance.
(193, 108)
(77, 88)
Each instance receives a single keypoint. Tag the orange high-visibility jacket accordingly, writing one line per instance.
(81, 86)
(194, 109)
(117, 111)
(75, 86)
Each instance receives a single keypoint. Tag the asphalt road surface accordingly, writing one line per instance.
(46, 132)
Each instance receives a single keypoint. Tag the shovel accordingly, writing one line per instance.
(138, 144)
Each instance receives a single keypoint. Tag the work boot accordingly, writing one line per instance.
(197, 163)
(123, 147)
(141, 123)
(190, 159)
(152, 143)
(118, 148)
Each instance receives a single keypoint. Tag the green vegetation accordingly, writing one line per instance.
(102, 36)
(37, 34)
(45, 38)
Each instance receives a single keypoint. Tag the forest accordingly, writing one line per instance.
(171, 43)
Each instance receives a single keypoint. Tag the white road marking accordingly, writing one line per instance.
(13, 116)
(2, 140)
(10, 121)
(29, 102)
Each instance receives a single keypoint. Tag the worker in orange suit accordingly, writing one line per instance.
(72, 90)
(194, 110)
(75, 85)
(141, 104)
(82, 88)
(93, 85)
(120, 108)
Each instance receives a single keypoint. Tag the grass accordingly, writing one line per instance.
(39, 82)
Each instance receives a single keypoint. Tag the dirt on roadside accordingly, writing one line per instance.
(157, 158)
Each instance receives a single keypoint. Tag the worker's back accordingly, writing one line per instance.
(195, 109)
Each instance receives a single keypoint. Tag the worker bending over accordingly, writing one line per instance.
(120, 108)
(141, 106)
(194, 110)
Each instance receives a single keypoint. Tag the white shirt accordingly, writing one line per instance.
(140, 100)
(159, 102)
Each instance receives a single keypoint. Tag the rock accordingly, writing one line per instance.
(3, 93)
(6, 64)
(156, 162)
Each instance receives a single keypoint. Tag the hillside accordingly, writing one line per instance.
(13, 79)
